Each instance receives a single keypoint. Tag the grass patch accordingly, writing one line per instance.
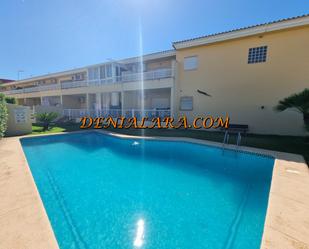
(290, 144)
(38, 129)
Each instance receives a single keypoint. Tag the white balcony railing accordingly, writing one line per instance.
(34, 89)
(151, 75)
(74, 84)
(16, 91)
(138, 113)
(79, 113)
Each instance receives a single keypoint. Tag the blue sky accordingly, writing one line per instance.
(42, 36)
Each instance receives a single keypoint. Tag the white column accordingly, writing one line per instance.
(172, 101)
(98, 101)
(174, 89)
(87, 77)
(174, 64)
(87, 103)
(114, 72)
(99, 75)
(122, 103)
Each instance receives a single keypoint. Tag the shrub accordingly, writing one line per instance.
(3, 115)
(299, 102)
(10, 100)
(46, 118)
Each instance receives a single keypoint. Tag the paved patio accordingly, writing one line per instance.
(23, 221)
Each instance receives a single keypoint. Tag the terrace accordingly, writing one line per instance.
(125, 78)
(126, 103)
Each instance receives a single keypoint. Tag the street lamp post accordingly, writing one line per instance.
(18, 73)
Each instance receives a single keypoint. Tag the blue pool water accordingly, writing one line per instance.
(105, 192)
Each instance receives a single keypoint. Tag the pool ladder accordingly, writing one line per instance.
(227, 137)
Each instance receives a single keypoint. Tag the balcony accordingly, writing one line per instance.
(34, 89)
(127, 113)
(126, 78)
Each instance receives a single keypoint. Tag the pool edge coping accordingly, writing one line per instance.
(284, 226)
(27, 223)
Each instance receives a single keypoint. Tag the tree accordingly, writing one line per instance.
(298, 102)
(46, 118)
(3, 115)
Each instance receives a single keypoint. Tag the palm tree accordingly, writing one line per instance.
(46, 118)
(299, 102)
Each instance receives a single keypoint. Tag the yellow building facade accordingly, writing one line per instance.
(247, 92)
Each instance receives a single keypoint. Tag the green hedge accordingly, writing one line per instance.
(10, 100)
(3, 115)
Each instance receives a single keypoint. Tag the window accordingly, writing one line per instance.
(190, 63)
(109, 73)
(78, 76)
(186, 103)
(118, 72)
(102, 72)
(93, 73)
(257, 55)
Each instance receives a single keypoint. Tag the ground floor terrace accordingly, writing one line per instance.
(150, 103)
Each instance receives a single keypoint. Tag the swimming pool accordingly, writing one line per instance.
(101, 191)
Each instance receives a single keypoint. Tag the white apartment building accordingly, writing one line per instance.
(111, 88)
